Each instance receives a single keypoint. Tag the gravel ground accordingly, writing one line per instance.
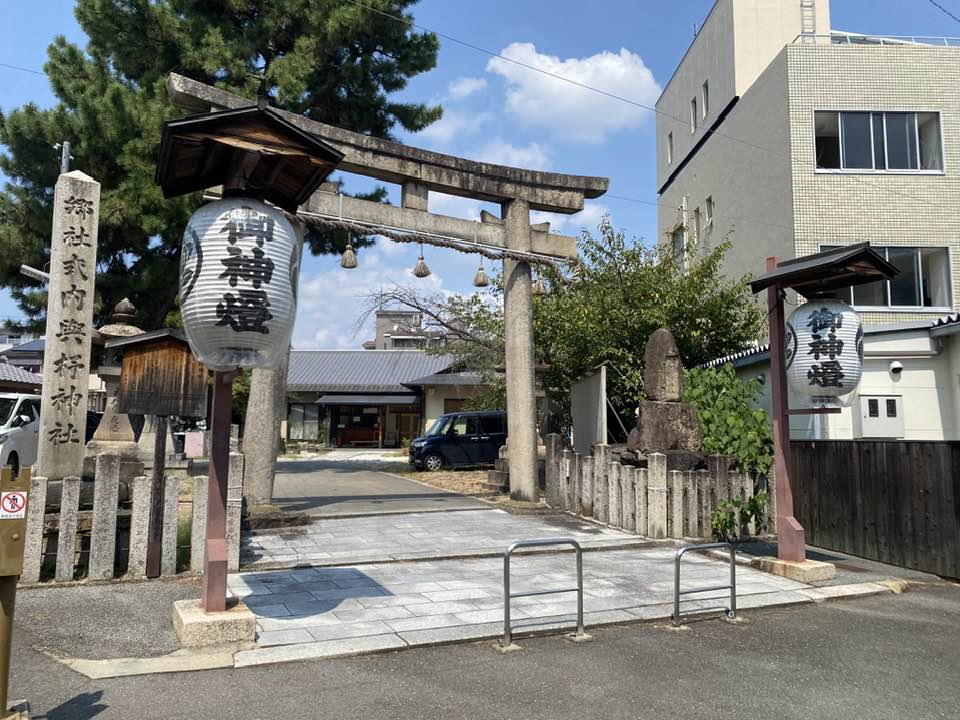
(467, 482)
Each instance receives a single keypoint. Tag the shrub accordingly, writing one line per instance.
(731, 520)
(732, 424)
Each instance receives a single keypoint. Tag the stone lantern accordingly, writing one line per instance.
(115, 434)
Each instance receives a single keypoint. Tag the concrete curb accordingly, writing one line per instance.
(477, 554)
(246, 656)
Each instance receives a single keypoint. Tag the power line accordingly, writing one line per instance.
(681, 121)
(707, 131)
(668, 206)
(570, 81)
(18, 67)
(945, 11)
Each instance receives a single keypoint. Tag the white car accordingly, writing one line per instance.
(19, 430)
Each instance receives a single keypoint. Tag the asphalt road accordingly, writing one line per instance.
(880, 657)
(330, 487)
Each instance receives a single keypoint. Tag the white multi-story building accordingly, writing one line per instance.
(10, 337)
(787, 138)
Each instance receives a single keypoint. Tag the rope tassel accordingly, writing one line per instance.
(421, 270)
(480, 279)
(349, 258)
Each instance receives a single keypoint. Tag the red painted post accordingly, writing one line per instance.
(214, 590)
(791, 539)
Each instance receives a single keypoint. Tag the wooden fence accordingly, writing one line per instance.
(109, 540)
(651, 501)
(893, 501)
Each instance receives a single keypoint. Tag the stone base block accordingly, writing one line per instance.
(196, 628)
(499, 479)
(665, 426)
(806, 572)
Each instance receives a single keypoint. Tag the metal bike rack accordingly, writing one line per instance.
(507, 595)
(730, 611)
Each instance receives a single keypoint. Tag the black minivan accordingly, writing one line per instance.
(461, 438)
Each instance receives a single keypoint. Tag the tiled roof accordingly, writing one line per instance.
(360, 371)
(32, 346)
(744, 357)
(12, 373)
(462, 379)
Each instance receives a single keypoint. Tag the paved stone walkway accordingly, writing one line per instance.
(316, 612)
(413, 536)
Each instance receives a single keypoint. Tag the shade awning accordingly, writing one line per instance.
(367, 400)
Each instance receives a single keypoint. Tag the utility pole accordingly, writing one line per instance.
(65, 156)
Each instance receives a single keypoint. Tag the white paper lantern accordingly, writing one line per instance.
(823, 349)
(239, 268)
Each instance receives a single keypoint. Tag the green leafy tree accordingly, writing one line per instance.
(625, 291)
(732, 423)
(621, 294)
(330, 60)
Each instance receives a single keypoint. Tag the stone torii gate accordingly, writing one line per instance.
(421, 171)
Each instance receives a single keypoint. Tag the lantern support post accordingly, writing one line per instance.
(155, 538)
(214, 587)
(791, 538)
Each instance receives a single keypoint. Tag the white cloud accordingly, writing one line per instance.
(588, 219)
(331, 301)
(452, 125)
(534, 156)
(465, 86)
(454, 206)
(569, 112)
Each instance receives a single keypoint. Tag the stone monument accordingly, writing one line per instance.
(115, 433)
(664, 423)
(66, 362)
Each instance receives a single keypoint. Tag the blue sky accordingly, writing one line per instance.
(499, 112)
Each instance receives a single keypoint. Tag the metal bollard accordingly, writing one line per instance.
(507, 595)
(730, 611)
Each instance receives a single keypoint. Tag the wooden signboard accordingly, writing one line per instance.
(160, 376)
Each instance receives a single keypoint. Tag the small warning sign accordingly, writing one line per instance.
(13, 505)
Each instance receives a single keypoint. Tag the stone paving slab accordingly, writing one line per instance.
(376, 606)
(414, 536)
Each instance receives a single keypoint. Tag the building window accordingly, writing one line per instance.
(303, 421)
(696, 226)
(923, 281)
(878, 141)
(669, 148)
(693, 115)
(708, 210)
(705, 98)
(678, 243)
(453, 405)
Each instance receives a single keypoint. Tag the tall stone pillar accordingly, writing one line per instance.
(266, 409)
(518, 336)
(66, 362)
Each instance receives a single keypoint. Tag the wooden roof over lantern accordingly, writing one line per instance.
(811, 275)
(253, 148)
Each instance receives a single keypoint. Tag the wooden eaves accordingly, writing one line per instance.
(812, 275)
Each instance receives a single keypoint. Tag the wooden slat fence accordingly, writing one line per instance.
(897, 502)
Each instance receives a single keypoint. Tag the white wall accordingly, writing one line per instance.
(751, 188)
(434, 397)
(928, 386)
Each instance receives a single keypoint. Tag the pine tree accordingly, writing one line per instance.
(331, 60)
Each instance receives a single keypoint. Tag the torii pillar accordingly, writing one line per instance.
(422, 172)
(518, 339)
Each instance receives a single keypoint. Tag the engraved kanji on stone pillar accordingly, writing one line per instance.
(66, 361)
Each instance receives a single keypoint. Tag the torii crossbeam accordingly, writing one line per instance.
(419, 172)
